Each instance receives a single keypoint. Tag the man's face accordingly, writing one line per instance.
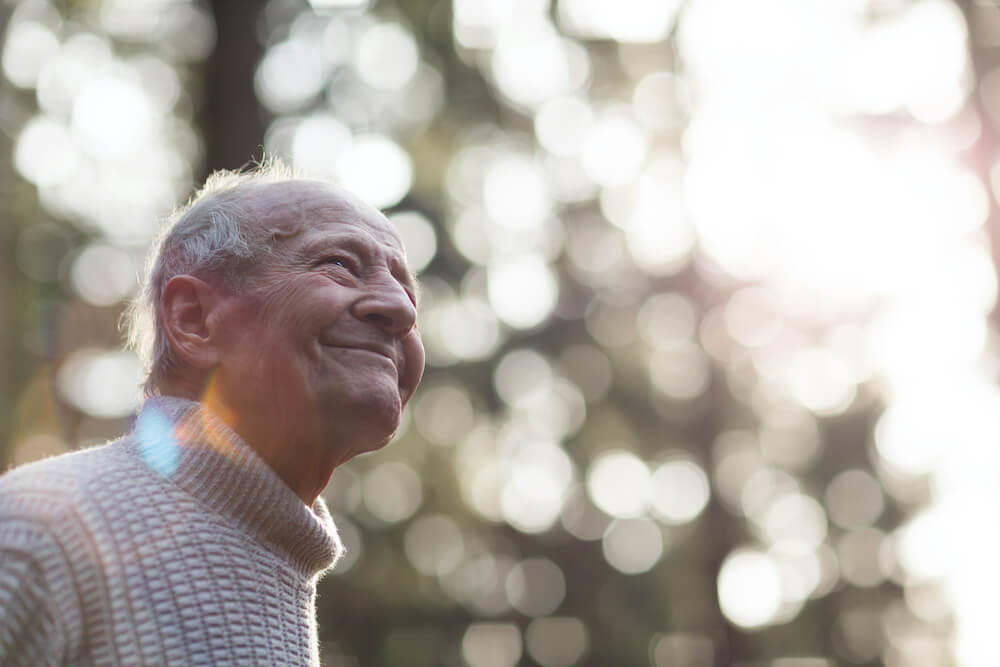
(321, 348)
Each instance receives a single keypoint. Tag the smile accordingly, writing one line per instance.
(370, 349)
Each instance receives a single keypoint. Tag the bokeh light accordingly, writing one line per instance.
(556, 641)
(632, 21)
(492, 645)
(536, 587)
(706, 292)
(633, 546)
(419, 238)
(749, 588)
(522, 290)
(434, 544)
(103, 383)
(681, 649)
(619, 483)
(103, 275)
(386, 56)
(679, 490)
(392, 491)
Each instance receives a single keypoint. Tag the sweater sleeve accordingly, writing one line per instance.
(29, 630)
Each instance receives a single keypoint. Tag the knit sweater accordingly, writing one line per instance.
(174, 545)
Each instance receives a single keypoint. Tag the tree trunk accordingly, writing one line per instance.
(231, 120)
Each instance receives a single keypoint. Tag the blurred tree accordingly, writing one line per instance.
(507, 525)
(231, 120)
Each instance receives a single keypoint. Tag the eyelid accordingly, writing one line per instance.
(353, 264)
(344, 259)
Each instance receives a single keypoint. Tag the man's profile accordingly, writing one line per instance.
(278, 323)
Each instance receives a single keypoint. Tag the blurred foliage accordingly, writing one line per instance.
(661, 418)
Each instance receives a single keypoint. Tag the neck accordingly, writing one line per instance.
(300, 463)
(182, 440)
(304, 467)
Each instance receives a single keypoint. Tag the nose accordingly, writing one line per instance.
(388, 306)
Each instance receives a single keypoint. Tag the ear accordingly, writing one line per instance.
(189, 313)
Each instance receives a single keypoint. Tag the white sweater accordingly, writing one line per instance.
(174, 545)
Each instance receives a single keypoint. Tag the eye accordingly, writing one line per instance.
(342, 261)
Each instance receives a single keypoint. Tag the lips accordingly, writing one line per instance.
(381, 350)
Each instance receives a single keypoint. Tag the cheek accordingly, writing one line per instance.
(413, 369)
(290, 306)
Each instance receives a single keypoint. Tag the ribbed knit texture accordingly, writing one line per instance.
(175, 545)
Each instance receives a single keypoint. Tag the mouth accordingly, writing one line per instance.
(377, 350)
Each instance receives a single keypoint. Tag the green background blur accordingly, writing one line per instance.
(707, 297)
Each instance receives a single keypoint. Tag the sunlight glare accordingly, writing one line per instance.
(81, 56)
(749, 588)
(522, 290)
(618, 482)
(317, 142)
(288, 76)
(387, 56)
(515, 191)
(679, 489)
(419, 238)
(615, 148)
(533, 63)
(821, 381)
(623, 21)
(28, 47)
(157, 444)
(46, 152)
(112, 116)
(539, 480)
(466, 327)
(794, 520)
(377, 169)
(562, 123)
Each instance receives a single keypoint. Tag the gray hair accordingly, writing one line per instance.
(208, 237)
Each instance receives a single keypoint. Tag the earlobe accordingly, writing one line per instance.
(189, 323)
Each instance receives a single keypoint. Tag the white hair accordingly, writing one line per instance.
(210, 237)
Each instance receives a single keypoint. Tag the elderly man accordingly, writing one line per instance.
(280, 333)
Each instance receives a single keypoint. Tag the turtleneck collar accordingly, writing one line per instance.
(185, 443)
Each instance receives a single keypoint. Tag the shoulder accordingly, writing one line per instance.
(48, 556)
(74, 464)
(51, 512)
(42, 490)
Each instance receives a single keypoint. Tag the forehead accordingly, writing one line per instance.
(303, 211)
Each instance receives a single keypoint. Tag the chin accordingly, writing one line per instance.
(377, 426)
(368, 419)
(370, 444)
